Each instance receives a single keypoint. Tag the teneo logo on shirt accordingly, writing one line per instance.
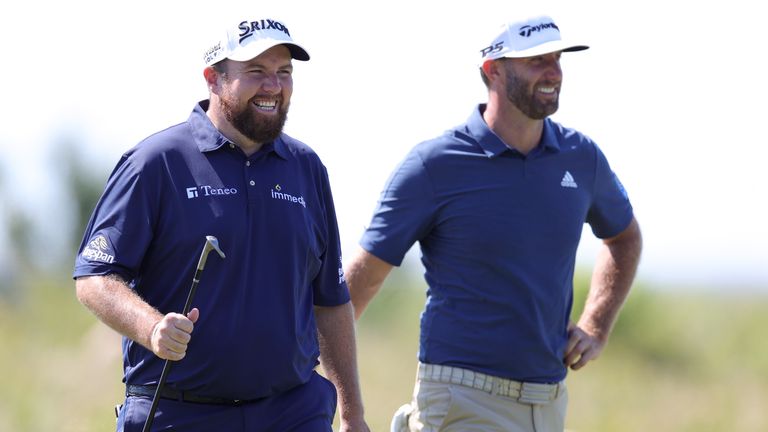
(205, 190)
(98, 250)
(277, 193)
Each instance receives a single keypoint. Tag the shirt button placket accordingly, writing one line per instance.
(248, 164)
(251, 182)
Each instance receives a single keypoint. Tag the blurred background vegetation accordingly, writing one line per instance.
(679, 360)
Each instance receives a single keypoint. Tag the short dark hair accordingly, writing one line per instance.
(219, 66)
(484, 78)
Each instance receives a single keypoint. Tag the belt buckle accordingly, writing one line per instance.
(534, 393)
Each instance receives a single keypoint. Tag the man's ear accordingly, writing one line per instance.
(211, 77)
(490, 69)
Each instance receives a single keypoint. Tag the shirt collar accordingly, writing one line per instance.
(492, 145)
(208, 138)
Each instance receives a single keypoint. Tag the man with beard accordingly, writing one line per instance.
(497, 205)
(264, 317)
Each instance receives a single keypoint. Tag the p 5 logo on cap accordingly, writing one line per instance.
(498, 46)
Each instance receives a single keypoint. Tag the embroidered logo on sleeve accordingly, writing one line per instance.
(98, 250)
(341, 272)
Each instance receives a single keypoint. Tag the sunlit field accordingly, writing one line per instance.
(676, 362)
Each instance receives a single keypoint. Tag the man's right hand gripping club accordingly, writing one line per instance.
(171, 335)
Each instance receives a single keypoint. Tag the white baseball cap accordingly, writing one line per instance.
(528, 38)
(249, 38)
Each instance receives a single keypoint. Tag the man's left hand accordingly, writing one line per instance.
(582, 347)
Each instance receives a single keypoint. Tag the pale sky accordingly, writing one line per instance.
(672, 92)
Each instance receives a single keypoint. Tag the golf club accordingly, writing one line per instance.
(211, 243)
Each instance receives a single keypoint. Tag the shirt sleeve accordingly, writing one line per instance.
(611, 211)
(120, 228)
(404, 213)
(330, 288)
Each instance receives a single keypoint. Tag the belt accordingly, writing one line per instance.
(524, 392)
(182, 396)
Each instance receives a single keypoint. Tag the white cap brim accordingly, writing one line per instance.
(545, 48)
(254, 49)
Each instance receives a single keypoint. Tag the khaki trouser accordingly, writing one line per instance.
(449, 399)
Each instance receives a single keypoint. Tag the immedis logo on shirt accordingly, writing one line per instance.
(278, 194)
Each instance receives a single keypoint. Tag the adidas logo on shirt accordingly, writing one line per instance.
(568, 181)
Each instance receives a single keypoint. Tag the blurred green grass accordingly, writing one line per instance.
(677, 361)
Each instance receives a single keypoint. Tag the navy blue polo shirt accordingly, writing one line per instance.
(274, 217)
(498, 233)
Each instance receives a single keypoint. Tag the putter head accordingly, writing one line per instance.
(211, 243)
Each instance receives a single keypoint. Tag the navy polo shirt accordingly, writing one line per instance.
(274, 217)
(498, 233)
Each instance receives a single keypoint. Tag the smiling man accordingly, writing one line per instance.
(497, 205)
(245, 355)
